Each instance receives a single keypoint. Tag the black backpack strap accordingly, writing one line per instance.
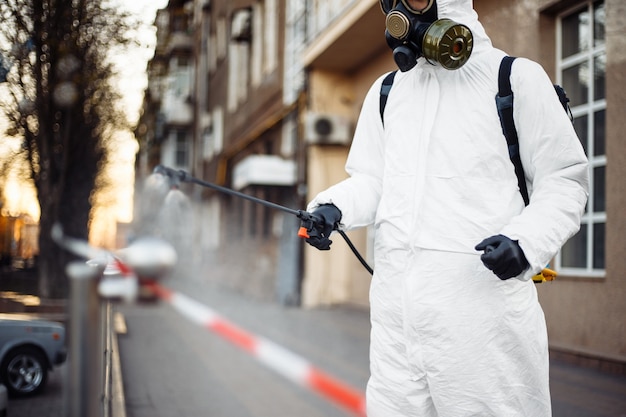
(560, 91)
(504, 103)
(385, 88)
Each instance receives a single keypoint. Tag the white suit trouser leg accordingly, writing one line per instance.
(449, 339)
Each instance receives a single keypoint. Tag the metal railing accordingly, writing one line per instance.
(89, 356)
(94, 386)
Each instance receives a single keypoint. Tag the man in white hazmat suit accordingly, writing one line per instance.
(457, 331)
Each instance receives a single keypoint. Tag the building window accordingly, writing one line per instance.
(182, 149)
(323, 12)
(270, 44)
(181, 77)
(295, 43)
(220, 38)
(211, 53)
(239, 56)
(218, 129)
(207, 143)
(581, 68)
(180, 21)
(256, 59)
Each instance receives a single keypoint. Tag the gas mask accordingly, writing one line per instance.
(420, 33)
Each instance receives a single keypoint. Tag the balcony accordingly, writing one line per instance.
(349, 41)
(177, 110)
(179, 41)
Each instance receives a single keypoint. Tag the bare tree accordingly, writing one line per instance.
(62, 104)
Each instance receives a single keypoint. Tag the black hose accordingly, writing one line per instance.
(356, 252)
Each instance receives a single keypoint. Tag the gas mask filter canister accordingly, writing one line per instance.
(414, 33)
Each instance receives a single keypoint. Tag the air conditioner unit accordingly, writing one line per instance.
(326, 129)
(264, 170)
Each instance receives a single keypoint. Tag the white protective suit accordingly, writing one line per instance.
(449, 338)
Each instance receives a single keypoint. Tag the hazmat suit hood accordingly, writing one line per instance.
(462, 11)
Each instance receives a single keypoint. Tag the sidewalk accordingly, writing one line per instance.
(576, 391)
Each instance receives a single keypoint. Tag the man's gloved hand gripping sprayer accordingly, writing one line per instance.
(327, 217)
(314, 226)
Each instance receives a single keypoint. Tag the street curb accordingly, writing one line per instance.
(113, 390)
(118, 401)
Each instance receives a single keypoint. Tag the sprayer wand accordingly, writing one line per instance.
(309, 220)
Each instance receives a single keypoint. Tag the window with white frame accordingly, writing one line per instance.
(256, 58)
(181, 148)
(238, 74)
(181, 77)
(295, 42)
(581, 69)
(322, 13)
(239, 57)
(270, 44)
(218, 129)
(264, 53)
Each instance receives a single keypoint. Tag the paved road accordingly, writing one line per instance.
(173, 367)
(579, 392)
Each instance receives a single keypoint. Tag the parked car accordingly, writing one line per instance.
(29, 349)
(3, 401)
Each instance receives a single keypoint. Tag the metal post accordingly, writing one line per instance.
(83, 398)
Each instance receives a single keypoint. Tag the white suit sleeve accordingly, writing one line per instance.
(357, 196)
(555, 166)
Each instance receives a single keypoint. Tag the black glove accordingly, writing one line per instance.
(325, 219)
(503, 256)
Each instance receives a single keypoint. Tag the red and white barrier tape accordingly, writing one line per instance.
(275, 357)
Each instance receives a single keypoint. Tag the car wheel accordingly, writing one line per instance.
(24, 372)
